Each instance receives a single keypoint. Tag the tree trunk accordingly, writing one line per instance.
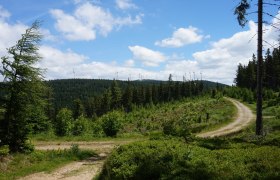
(259, 124)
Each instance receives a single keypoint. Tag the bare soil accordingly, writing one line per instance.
(80, 170)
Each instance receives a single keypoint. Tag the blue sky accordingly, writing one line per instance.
(135, 39)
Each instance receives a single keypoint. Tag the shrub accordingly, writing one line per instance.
(277, 112)
(153, 160)
(64, 122)
(4, 150)
(180, 128)
(80, 126)
(74, 149)
(111, 123)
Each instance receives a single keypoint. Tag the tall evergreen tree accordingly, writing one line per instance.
(25, 89)
(106, 102)
(79, 109)
(241, 11)
(128, 97)
(269, 79)
(116, 95)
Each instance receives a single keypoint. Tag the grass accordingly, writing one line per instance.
(19, 165)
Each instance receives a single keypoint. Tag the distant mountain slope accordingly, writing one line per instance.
(65, 91)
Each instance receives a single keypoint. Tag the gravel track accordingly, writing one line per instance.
(243, 118)
(87, 169)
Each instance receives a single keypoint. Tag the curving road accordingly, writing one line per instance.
(90, 168)
(243, 118)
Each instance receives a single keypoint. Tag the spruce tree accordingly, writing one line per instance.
(241, 12)
(116, 95)
(25, 89)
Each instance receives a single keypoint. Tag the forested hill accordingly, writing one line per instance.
(65, 91)
(83, 88)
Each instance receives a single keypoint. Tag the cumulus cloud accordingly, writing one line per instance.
(125, 4)
(72, 28)
(9, 33)
(147, 56)
(181, 37)
(129, 63)
(88, 20)
(59, 64)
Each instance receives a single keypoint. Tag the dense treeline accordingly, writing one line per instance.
(65, 91)
(96, 97)
(128, 95)
(246, 74)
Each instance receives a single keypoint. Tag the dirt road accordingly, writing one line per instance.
(81, 170)
(243, 118)
(85, 170)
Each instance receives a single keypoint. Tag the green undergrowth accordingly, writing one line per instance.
(271, 128)
(194, 114)
(239, 156)
(199, 114)
(174, 159)
(19, 165)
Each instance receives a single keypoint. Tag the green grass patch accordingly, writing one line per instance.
(19, 165)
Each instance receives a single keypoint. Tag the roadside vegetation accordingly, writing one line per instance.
(240, 156)
(192, 114)
(18, 165)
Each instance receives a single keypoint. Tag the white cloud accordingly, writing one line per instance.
(125, 4)
(181, 37)
(147, 56)
(9, 33)
(59, 64)
(129, 63)
(87, 20)
(72, 28)
(4, 13)
(219, 63)
(129, 20)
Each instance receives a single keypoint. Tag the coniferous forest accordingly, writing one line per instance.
(246, 75)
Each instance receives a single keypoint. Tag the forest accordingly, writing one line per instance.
(246, 75)
(96, 95)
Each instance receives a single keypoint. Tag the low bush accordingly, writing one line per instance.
(80, 126)
(173, 159)
(4, 150)
(111, 123)
(153, 160)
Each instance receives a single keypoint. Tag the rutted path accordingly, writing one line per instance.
(243, 118)
(81, 170)
(87, 169)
